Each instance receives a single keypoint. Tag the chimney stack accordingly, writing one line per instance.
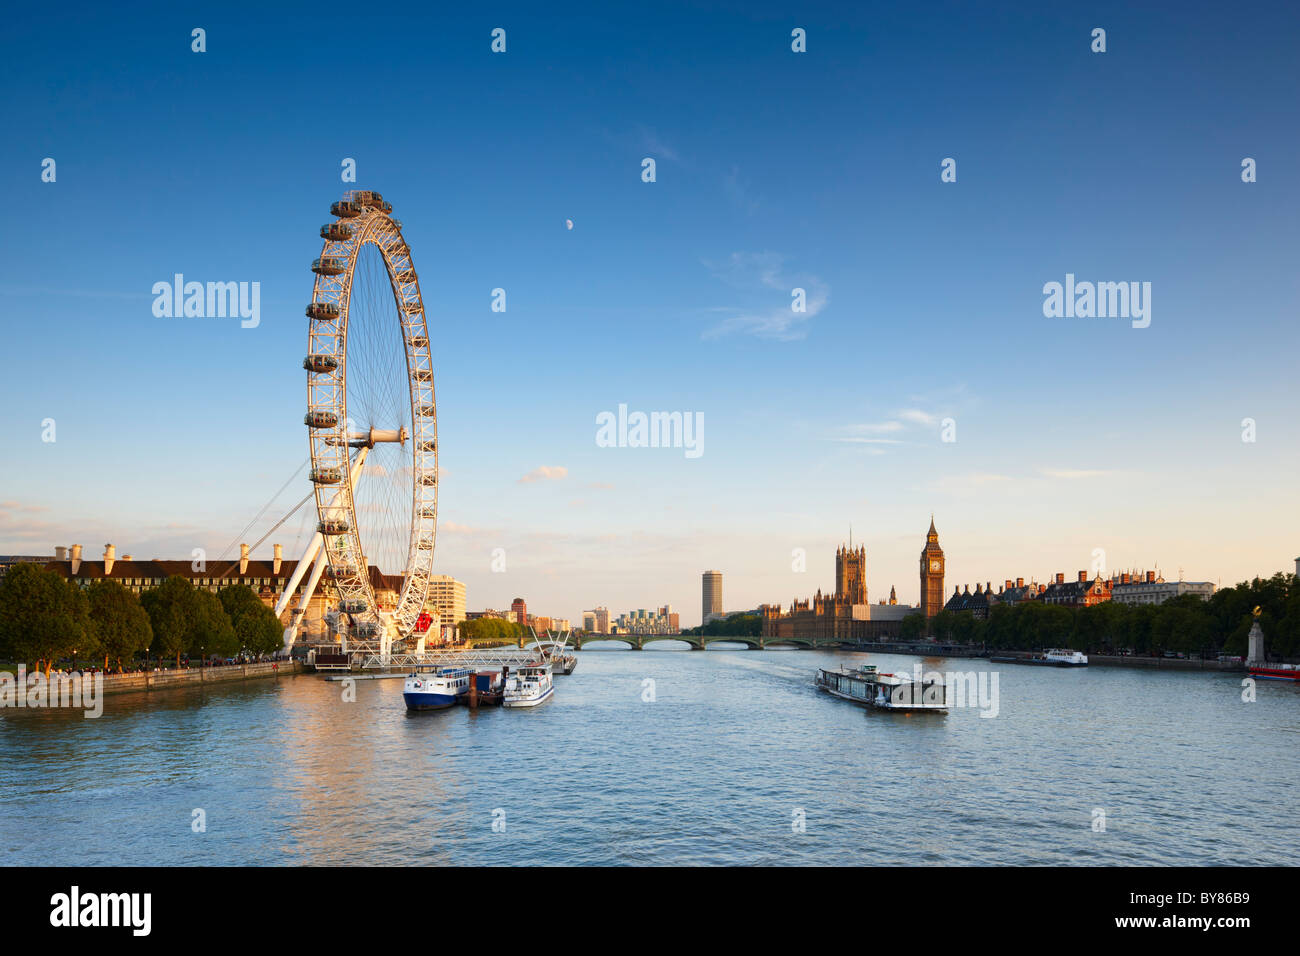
(243, 559)
(1124, 578)
(279, 556)
(1151, 577)
(1083, 576)
(60, 554)
(1007, 587)
(1060, 578)
(1020, 582)
(76, 558)
(110, 554)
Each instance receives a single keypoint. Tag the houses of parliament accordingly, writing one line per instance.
(847, 614)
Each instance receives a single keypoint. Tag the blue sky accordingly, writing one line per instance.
(774, 170)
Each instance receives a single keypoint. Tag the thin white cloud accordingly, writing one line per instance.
(545, 473)
(757, 275)
(1072, 473)
(918, 417)
(890, 426)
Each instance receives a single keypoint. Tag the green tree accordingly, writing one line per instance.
(912, 628)
(43, 617)
(257, 629)
(121, 624)
(942, 624)
(210, 630)
(172, 609)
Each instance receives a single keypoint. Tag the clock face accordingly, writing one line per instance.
(934, 565)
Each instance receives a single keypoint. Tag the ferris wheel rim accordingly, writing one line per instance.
(363, 218)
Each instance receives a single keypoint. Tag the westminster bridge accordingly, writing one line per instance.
(758, 642)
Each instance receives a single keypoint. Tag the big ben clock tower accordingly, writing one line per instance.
(931, 574)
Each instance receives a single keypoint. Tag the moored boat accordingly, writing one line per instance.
(529, 686)
(437, 690)
(884, 691)
(1274, 671)
(486, 689)
(1056, 657)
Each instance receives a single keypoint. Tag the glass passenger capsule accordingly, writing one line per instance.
(323, 310)
(346, 209)
(333, 526)
(336, 231)
(329, 266)
(326, 476)
(319, 419)
(353, 605)
(320, 363)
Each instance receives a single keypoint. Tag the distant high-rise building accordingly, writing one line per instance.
(519, 610)
(447, 597)
(712, 595)
(589, 621)
(602, 620)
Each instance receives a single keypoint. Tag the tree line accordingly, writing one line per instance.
(45, 619)
(1185, 624)
(490, 628)
(733, 625)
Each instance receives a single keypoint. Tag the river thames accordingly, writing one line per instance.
(665, 757)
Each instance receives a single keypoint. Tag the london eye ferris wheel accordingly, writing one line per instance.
(372, 425)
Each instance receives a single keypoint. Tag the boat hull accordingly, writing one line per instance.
(1036, 662)
(529, 701)
(419, 700)
(1273, 673)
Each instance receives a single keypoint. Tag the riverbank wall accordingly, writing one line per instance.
(1102, 660)
(1159, 663)
(197, 676)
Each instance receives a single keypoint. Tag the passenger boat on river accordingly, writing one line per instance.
(884, 691)
(529, 686)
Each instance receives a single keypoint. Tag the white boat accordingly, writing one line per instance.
(884, 691)
(1065, 658)
(1056, 657)
(529, 686)
(438, 690)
